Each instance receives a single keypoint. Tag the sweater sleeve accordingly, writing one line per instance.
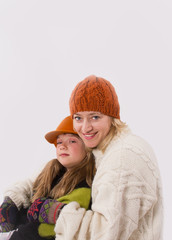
(20, 193)
(80, 195)
(121, 197)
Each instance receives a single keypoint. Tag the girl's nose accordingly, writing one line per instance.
(63, 146)
(87, 126)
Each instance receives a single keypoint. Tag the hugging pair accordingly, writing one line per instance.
(126, 196)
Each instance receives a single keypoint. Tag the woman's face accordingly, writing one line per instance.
(92, 127)
(70, 150)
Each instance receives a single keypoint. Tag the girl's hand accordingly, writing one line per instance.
(9, 214)
(44, 210)
(6, 227)
(33, 212)
(50, 211)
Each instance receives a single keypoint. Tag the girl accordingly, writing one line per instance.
(126, 191)
(65, 179)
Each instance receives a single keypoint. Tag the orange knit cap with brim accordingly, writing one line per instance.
(95, 94)
(66, 126)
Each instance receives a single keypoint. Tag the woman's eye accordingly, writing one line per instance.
(77, 118)
(95, 117)
(59, 143)
(72, 141)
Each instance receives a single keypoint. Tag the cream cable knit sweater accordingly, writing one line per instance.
(126, 196)
(21, 193)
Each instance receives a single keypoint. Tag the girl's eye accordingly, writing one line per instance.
(59, 143)
(72, 141)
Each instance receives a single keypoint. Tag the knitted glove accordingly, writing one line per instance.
(33, 212)
(50, 211)
(9, 214)
(44, 210)
(6, 227)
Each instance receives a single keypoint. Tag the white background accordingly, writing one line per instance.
(47, 47)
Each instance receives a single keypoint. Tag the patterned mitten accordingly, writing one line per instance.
(50, 211)
(6, 227)
(9, 214)
(33, 212)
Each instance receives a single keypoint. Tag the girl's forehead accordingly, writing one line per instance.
(67, 135)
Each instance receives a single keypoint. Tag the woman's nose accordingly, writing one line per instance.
(87, 126)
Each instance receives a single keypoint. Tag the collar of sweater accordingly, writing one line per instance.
(99, 155)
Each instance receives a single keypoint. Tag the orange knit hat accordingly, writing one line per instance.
(66, 126)
(95, 94)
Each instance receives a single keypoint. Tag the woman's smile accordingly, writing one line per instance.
(92, 127)
(89, 136)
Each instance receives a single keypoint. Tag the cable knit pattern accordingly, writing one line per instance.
(21, 193)
(126, 196)
(95, 94)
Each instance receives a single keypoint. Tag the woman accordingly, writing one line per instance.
(65, 179)
(126, 190)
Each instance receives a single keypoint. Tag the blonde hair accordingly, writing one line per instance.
(117, 127)
(42, 186)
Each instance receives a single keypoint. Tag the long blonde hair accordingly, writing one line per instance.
(117, 127)
(42, 186)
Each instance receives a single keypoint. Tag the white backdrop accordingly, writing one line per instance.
(47, 47)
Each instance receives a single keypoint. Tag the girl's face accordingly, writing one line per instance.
(70, 150)
(92, 127)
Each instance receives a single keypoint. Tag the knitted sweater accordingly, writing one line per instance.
(21, 194)
(126, 196)
(35, 230)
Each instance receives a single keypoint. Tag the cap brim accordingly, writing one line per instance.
(52, 136)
